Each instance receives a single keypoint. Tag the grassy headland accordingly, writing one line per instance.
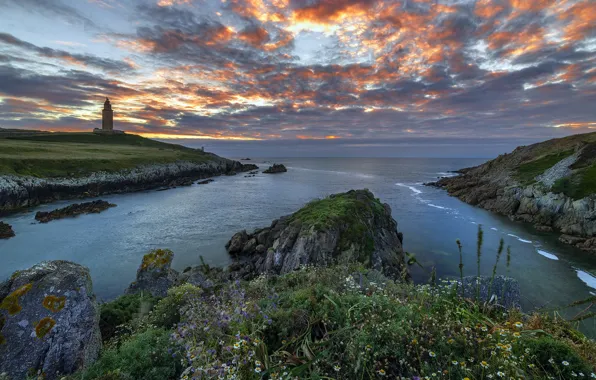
(79, 154)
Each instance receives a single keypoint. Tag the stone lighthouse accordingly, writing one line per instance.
(107, 117)
(107, 120)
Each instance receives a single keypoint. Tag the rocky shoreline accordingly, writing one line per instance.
(6, 231)
(73, 210)
(17, 192)
(496, 186)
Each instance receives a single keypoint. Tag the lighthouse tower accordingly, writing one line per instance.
(107, 117)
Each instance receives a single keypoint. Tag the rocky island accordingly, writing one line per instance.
(94, 207)
(321, 293)
(6, 231)
(276, 168)
(550, 184)
(80, 165)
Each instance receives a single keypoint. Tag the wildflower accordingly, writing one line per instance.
(257, 363)
(519, 325)
(236, 345)
(484, 364)
(466, 378)
(531, 365)
(593, 375)
(258, 369)
(516, 334)
(450, 341)
(581, 374)
(573, 374)
(432, 354)
(368, 347)
(500, 374)
(381, 372)
(454, 362)
(565, 363)
(552, 361)
(336, 368)
(414, 341)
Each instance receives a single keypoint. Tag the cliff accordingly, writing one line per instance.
(44, 168)
(550, 184)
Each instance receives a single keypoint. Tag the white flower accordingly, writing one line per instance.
(500, 374)
(565, 363)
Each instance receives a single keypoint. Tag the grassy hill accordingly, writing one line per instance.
(79, 154)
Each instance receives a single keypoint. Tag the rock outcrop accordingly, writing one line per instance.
(17, 192)
(6, 231)
(276, 168)
(528, 185)
(73, 210)
(49, 321)
(347, 227)
(155, 275)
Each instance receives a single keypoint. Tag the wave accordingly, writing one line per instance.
(441, 207)
(414, 190)
(493, 228)
(587, 278)
(520, 239)
(361, 175)
(446, 174)
(547, 255)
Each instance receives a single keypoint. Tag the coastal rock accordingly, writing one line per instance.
(6, 231)
(205, 182)
(49, 321)
(24, 191)
(522, 186)
(504, 289)
(182, 181)
(73, 210)
(155, 275)
(276, 168)
(346, 227)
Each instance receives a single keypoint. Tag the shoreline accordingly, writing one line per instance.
(20, 192)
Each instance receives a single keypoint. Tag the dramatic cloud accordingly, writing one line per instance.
(297, 69)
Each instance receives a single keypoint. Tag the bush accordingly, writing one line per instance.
(122, 310)
(166, 313)
(556, 357)
(149, 355)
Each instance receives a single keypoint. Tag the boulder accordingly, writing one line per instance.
(73, 210)
(236, 244)
(6, 231)
(347, 227)
(155, 275)
(49, 321)
(205, 182)
(276, 168)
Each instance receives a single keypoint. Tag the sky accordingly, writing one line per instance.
(365, 73)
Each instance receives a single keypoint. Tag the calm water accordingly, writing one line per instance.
(198, 220)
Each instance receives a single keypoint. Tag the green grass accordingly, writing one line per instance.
(581, 184)
(527, 172)
(79, 154)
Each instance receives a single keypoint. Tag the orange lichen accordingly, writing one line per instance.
(44, 327)
(157, 258)
(54, 304)
(11, 302)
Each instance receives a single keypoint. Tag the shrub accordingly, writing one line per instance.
(166, 313)
(149, 355)
(122, 310)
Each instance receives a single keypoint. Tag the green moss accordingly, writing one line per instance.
(54, 303)
(44, 326)
(157, 259)
(580, 184)
(527, 172)
(11, 302)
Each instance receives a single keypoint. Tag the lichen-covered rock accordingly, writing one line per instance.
(49, 321)
(155, 275)
(505, 290)
(6, 231)
(276, 168)
(347, 227)
(94, 207)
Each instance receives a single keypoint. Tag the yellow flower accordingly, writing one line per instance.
(381, 372)
(519, 325)
(414, 341)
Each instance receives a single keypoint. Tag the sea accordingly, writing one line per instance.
(198, 220)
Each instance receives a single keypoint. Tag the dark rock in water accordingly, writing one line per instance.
(249, 167)
(73, 210)
(543, 228)
(205, 182)
(347, 227)
(276, 168)
(155, 275)
(49, 321)
(6, 231)
(505, 290)
(245, 159)
(231, 173)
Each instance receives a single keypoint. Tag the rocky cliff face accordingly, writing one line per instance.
(18, 191)
(547, 184)
(347, 227)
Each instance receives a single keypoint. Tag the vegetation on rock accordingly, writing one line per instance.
(94, 207)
